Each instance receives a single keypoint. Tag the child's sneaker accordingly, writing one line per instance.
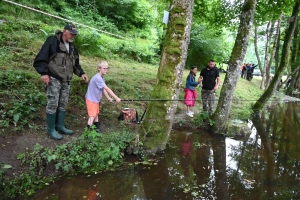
(192, 112)
(189, 114)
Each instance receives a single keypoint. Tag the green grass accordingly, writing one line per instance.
(245, 96)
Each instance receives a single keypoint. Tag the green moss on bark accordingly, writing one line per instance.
(174, 51)
(160, 92)
(248, 5)
(156, 126)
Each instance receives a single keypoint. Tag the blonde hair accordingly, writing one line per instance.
(101, 64)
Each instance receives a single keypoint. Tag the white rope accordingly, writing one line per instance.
(45, 13)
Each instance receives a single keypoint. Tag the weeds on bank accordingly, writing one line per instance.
(20, 98)
(201, 118)
(4, 167)
(89, 153)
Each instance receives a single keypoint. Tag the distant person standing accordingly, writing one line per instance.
(247, 74)
(210, 79)
(243, 70)
(57, 60)
(190, 91)
(251, 69)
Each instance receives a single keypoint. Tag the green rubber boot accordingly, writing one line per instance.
(51, 127)
(60, 121)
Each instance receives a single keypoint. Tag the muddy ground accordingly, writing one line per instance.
(13, 142)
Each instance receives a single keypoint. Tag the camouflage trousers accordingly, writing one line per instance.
(57, 95)
(208, 100)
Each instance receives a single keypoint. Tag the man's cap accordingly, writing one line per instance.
(72, 28)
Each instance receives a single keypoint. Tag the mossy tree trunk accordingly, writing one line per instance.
(277, 52)
(275, 44)
(159, 118)
(294, 62)
(267, 67)
(265, 70)
(221, 114)
(297, 83)
(283, 62)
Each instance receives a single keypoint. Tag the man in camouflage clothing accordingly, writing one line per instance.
(208, 77)
(57, 60)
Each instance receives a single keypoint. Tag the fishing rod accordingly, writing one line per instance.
(135, 100)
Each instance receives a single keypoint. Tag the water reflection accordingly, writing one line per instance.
(155, 181)
(219, 154)
(197, 165)
(186, 152)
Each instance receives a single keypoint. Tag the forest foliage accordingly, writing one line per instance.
(137, 24)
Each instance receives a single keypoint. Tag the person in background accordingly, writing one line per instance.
(190, 91)
(287, 83)
(93, 95)
(247, 74)
(210, 79)
(243, 70)
(252, 67)
(57, 60)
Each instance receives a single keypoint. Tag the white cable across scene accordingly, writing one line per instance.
(45, 13)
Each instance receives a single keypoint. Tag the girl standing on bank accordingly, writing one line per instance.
(190, 91)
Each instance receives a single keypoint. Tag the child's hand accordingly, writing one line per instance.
(110, 100)
(118, 100)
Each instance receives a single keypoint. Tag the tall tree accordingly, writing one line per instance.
(265, 69)
(275, 44)
(269, 33)
(155, 129)
(221, 114)
(267, 17)
(258, 57)
(294, 61)
(283, 62)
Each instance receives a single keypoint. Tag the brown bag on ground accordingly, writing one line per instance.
(129, 115)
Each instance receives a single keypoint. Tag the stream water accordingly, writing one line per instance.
(199, 165)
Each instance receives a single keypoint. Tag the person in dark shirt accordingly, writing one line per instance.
(247, 72)
(250, 72)
(56, 62)
(210, 79)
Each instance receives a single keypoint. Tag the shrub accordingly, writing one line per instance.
(22, 98)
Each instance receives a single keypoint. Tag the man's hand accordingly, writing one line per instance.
(84, 77)
(216, 87)
(45, 79)
(218, 83)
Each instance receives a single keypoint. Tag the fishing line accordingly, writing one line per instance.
(51, 15)
(134, 100)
